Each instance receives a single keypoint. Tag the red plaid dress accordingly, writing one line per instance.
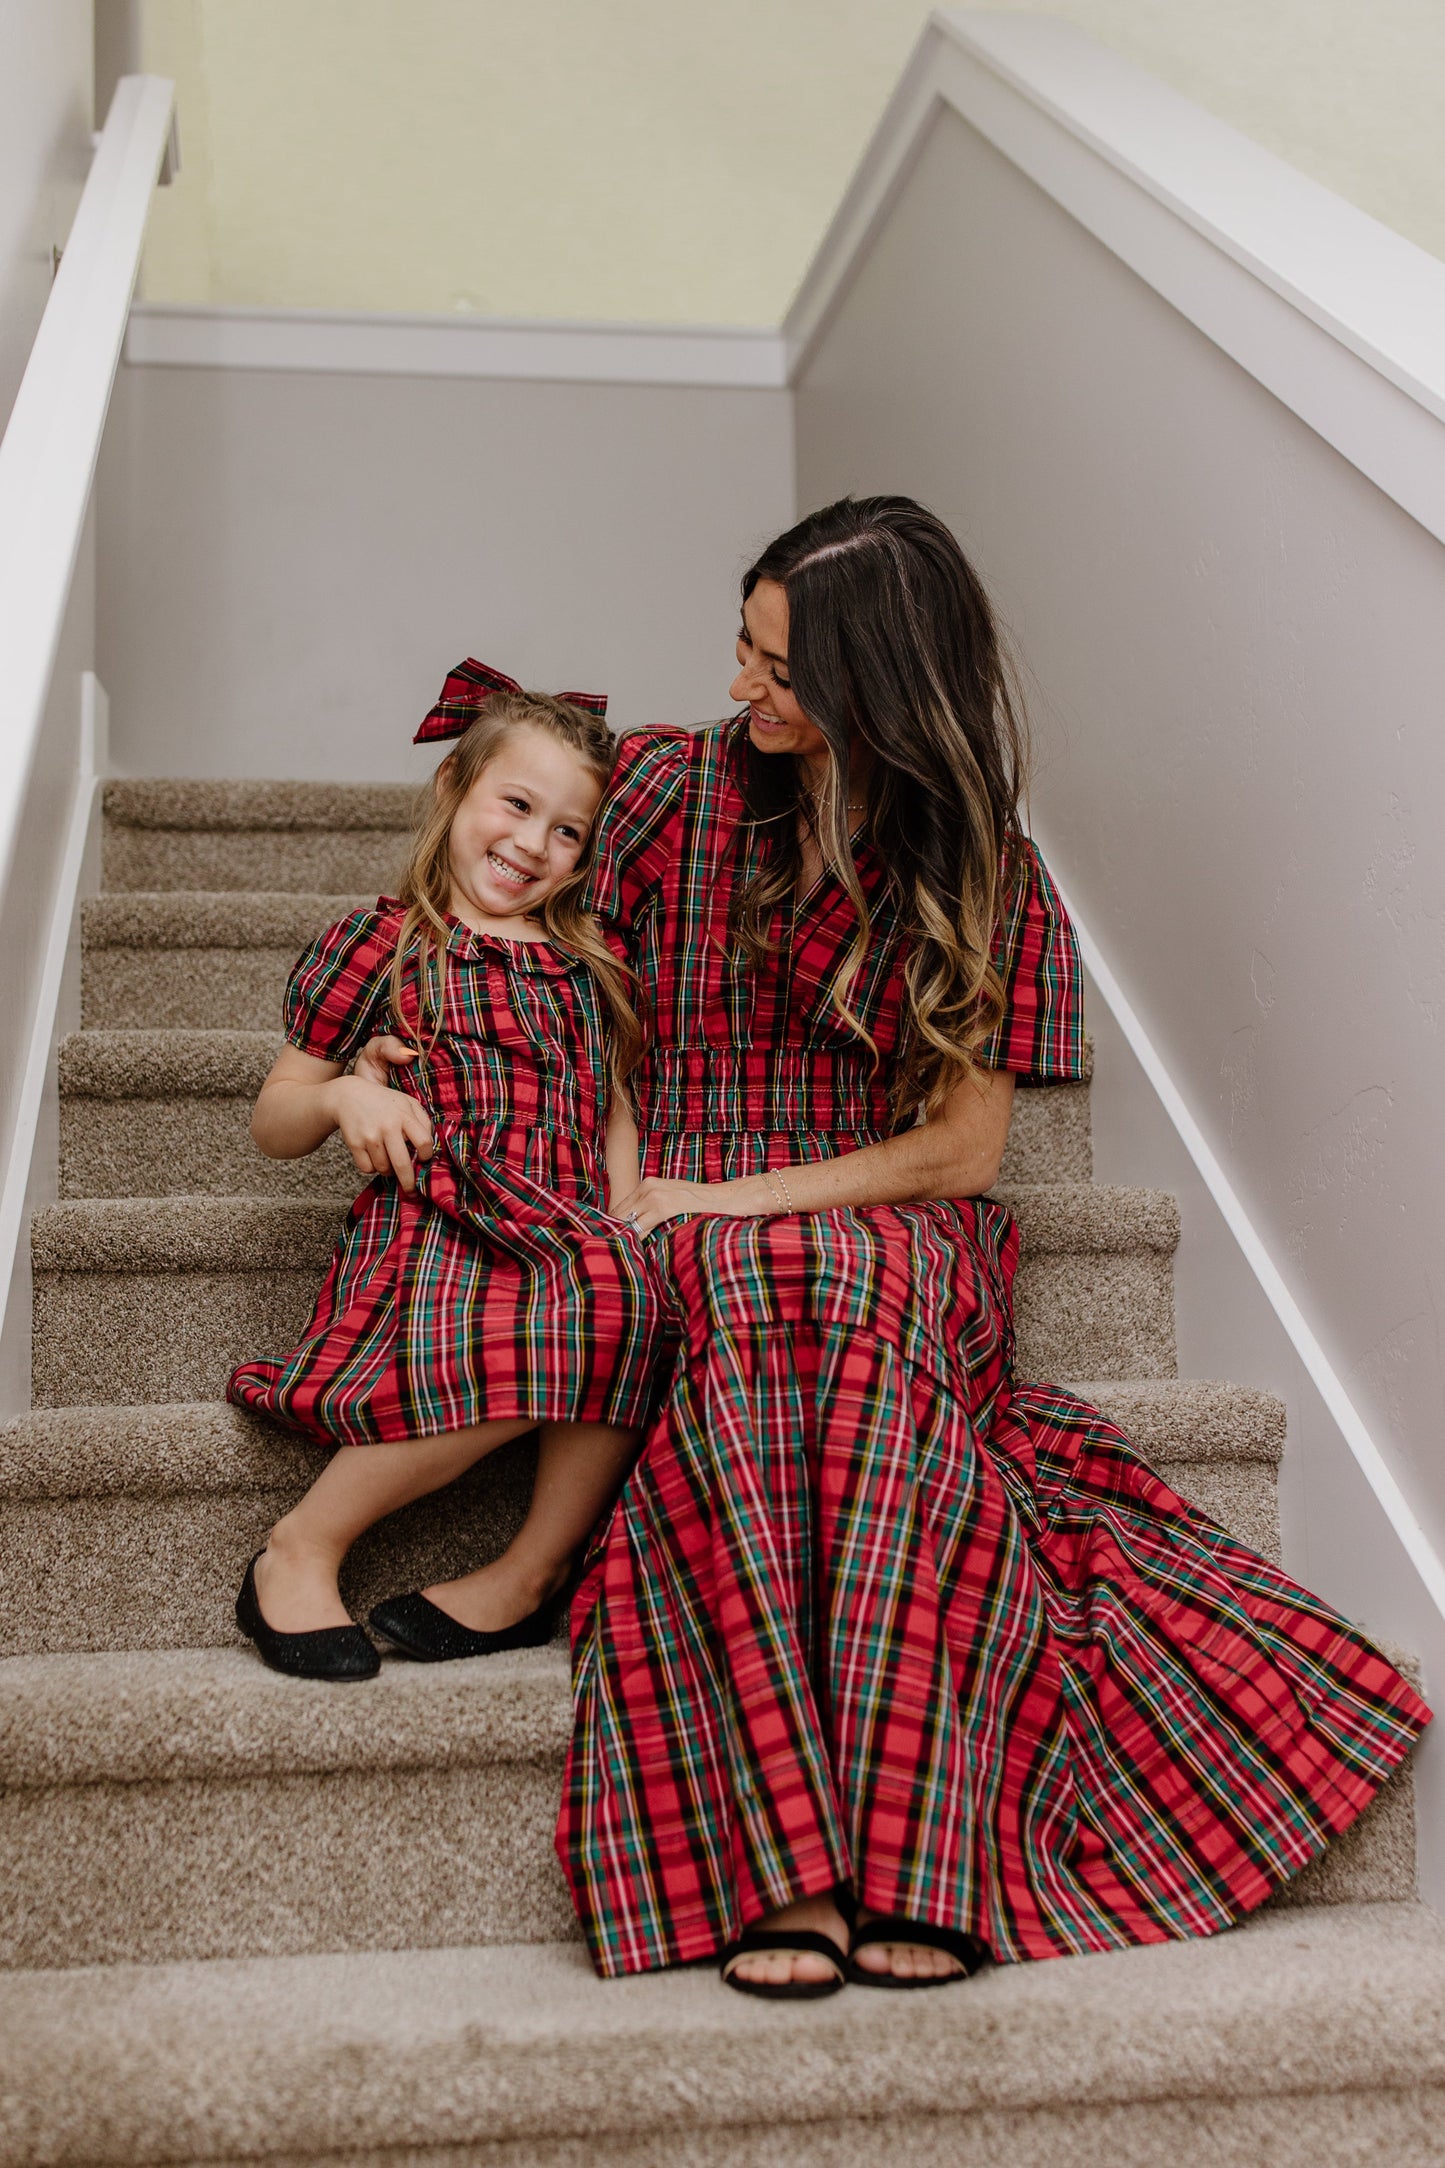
(500, 1286)
(867, 1610)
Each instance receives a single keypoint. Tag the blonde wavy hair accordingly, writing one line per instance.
(426, 884)
(892, 645)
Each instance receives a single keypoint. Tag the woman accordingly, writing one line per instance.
(879, 1650)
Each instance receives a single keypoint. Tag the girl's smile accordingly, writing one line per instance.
(520, 830)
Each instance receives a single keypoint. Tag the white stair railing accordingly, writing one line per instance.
(47, 470)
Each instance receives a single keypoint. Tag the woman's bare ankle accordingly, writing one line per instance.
(904, 1960)
(292, 1541)
(821, 1913)
(777, 1968)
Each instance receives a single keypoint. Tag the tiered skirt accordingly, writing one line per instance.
(867, 1613)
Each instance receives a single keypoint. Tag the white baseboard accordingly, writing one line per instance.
(1347, 1529)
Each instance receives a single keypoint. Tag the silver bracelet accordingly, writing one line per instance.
(775, 1174)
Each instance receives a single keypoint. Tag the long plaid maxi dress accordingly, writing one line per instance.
(869, 1611)
(500, 1286)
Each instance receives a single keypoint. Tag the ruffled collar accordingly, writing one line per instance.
(463, 941)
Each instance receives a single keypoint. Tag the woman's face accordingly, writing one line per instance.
(776, 724)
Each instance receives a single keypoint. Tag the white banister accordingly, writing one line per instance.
(48, 456)
(47, 469)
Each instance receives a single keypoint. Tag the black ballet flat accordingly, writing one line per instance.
(757, 1941)
(332, 1652)
(970, 1954)
(422, 1630)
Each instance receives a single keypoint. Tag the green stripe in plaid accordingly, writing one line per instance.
(500, 1287)
(999, 1678)
(866, 1610)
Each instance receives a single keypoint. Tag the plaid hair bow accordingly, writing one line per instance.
(467, 690)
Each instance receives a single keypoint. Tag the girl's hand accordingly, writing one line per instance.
(656, 1200)
(381, 1129)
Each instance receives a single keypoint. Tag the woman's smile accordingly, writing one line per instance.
(761, 722)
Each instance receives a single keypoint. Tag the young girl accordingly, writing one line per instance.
(479, 1287)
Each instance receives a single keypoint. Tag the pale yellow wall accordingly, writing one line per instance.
(668, 159)
(45, 122)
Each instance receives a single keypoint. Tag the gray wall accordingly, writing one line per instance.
(289, 563)
(1236, 649)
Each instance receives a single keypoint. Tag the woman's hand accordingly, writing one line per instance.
(383, 1130)
(379, 1057)
(656, 1200)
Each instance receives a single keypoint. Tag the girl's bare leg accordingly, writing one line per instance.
(580, 1467)
(360, 1485)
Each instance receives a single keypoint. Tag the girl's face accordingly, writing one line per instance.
(521, 828)
(776, 724)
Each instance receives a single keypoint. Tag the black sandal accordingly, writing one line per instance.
(753, 1941)
(970, 1954)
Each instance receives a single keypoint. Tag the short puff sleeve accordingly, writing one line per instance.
(337, 997)
(1040, 1036)
(633, 839)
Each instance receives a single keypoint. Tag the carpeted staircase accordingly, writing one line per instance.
(251, 1918)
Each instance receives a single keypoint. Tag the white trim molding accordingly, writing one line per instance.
(558, 353)
(1337, 316)
(1404, 1522)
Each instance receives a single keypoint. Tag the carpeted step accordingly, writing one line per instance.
(158, 1299)
(143, 1300)
(190, 1803)
(197, 961)
(1095, 1287)
(129, 1528)
(167, 1113)
(309, 836)
(1300, 2039)
(1050, 1139)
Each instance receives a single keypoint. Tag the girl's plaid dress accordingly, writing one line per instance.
(500, 1286)
(868, 1610)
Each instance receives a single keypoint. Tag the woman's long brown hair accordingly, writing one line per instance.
(892, 642)
(426, 884)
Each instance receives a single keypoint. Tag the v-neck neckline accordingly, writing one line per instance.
(826, 872)
(735, 804)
